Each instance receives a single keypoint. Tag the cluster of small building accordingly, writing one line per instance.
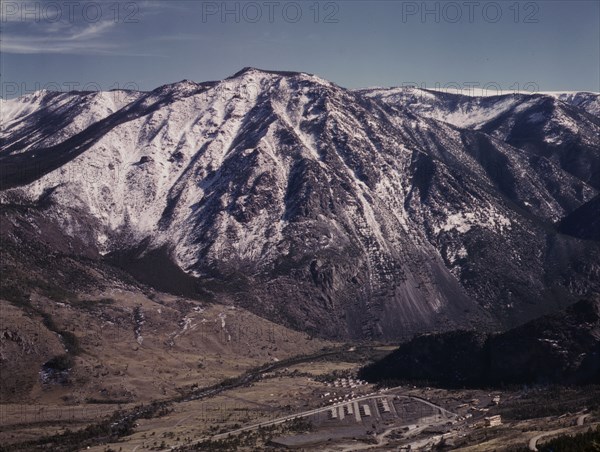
(337, 398)
(353, 409)
(347, 383)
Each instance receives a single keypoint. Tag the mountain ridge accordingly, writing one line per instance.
(319, 207)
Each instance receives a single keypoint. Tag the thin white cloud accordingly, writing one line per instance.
(92, 31)
(66, 38)
(54, 38)
(66, 47)
(28, 28)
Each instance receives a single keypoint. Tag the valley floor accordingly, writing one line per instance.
(156, 372)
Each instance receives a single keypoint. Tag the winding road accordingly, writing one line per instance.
(533, 441)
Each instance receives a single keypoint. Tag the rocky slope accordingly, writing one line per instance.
(74, 329)
(329, 210)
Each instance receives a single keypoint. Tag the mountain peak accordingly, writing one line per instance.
(183, 87)
(245, 70)
(253, 70)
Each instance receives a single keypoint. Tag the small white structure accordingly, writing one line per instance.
(356, 412)
(492, 421)
(385, 406)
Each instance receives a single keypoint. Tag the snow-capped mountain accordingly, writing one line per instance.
(350, 214)
(585, 100)
(563, 127)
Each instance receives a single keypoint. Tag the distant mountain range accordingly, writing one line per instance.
(369, 214)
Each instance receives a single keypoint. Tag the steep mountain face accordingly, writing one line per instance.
(563, 348)
(326, 209)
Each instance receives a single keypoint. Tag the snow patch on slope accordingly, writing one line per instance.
(463, 222)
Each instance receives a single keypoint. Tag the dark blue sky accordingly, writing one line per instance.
(549, 45)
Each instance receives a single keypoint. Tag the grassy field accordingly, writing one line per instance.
(131, 349)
